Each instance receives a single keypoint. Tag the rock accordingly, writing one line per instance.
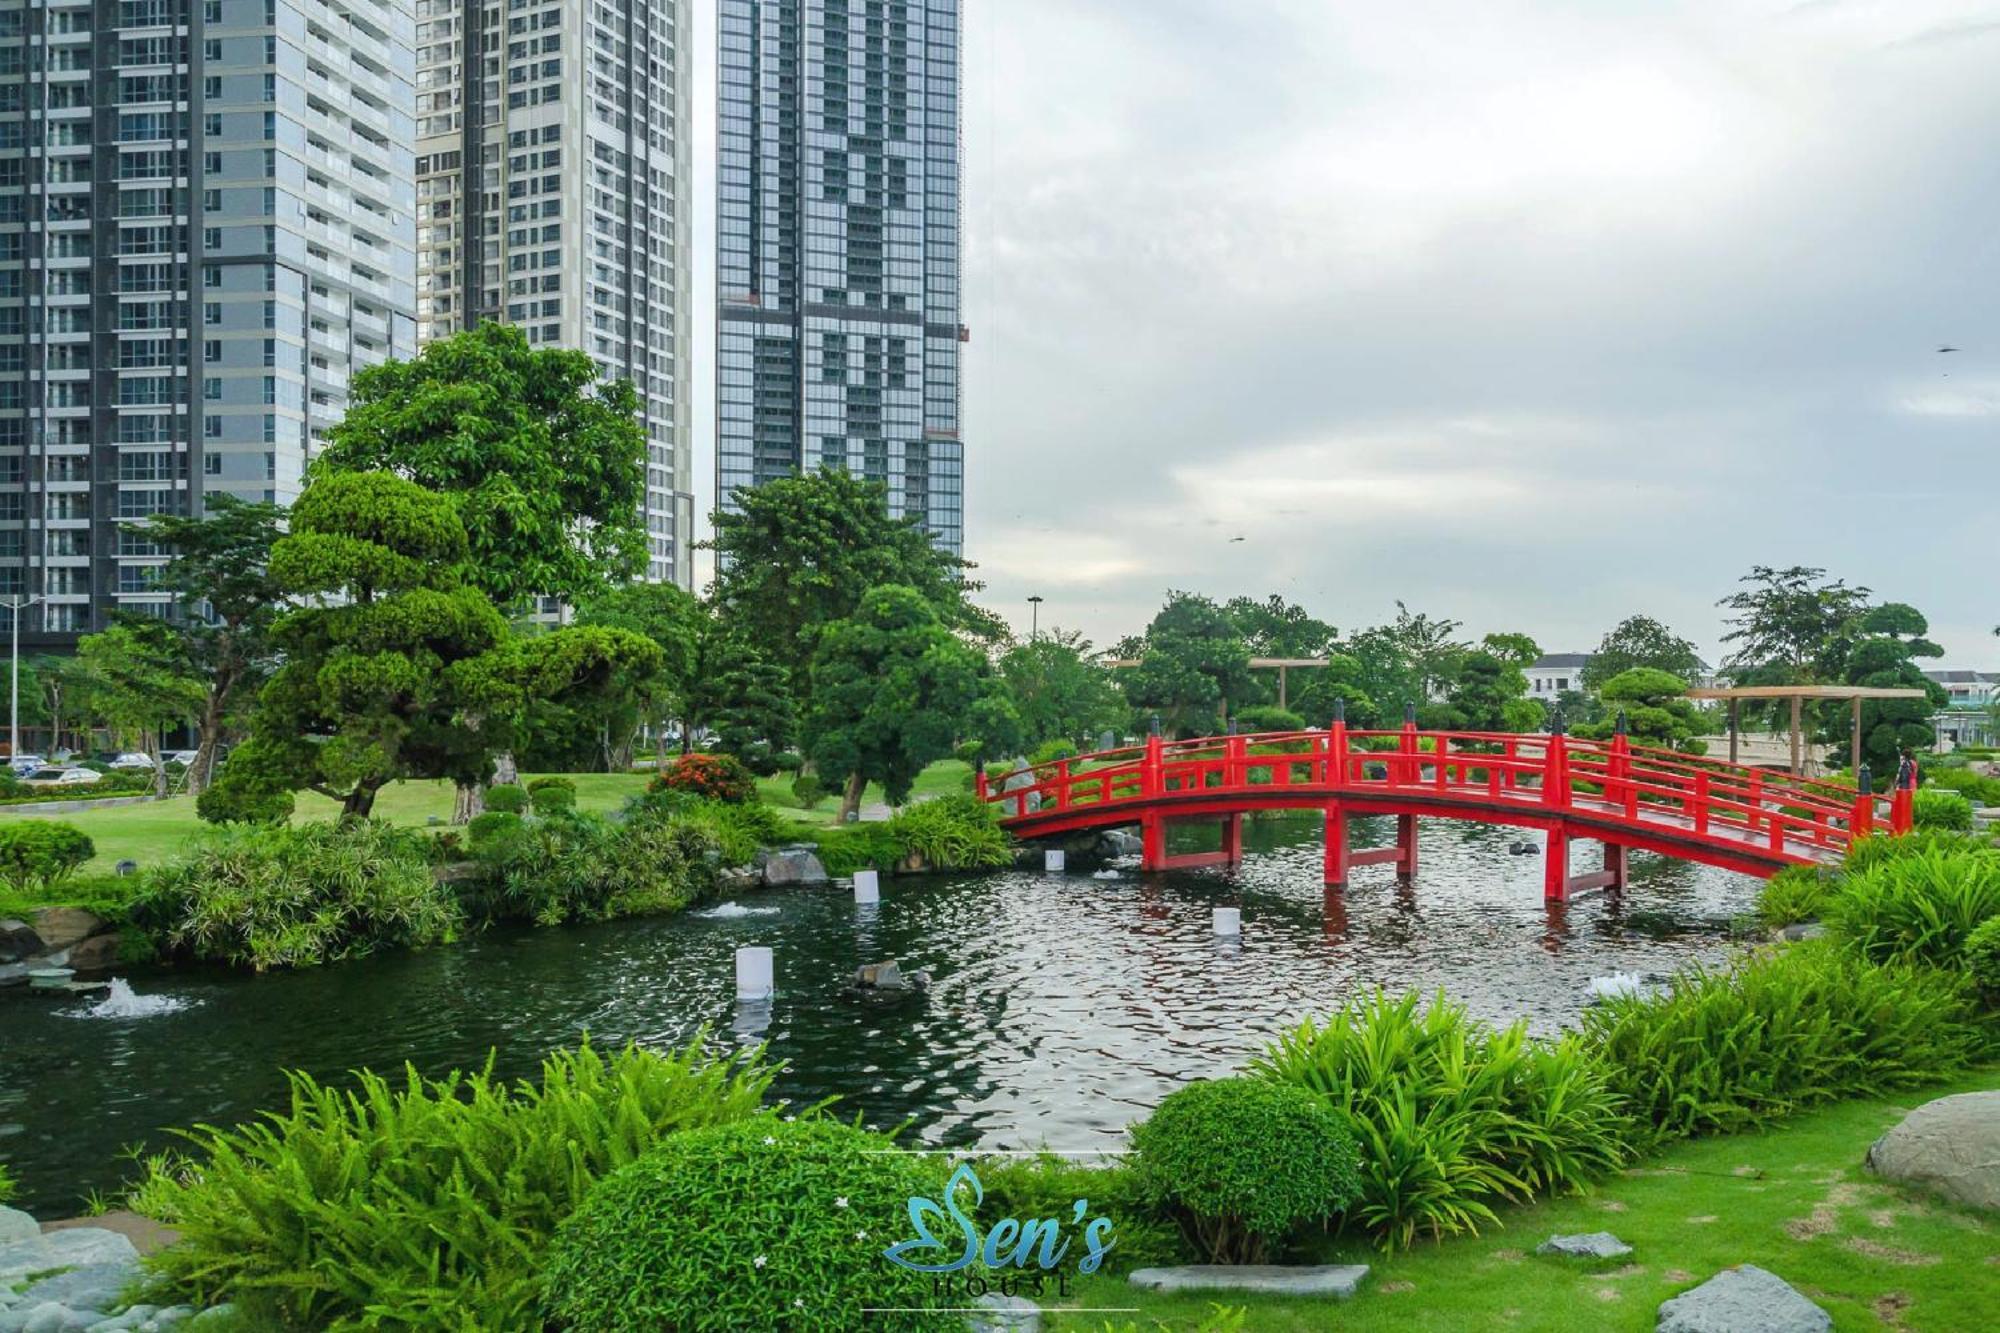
(1803, 930)
(174, 1316)
(883, 976)
(1282, 1279)
(1744, 1299)
(146, 1235)
(1119, 842)
(793, 865)
(1951, 1145)
(1592, 1245)
(92, 1287)
(737, 879)
(18, 940)
(1005, 1314)
(99, 953)
(17, 1225)
(61, 927)
(72, 1248)
(1022, 777)
(13, 974)
(221, 1314)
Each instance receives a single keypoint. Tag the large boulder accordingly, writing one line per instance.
(1744, 1299)
(1951, 1145)
(61, 927)
(99, 953)
(792, 865)
(18, 940)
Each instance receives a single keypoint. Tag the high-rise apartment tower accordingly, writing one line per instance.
(837, 309)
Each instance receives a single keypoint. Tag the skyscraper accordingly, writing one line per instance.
(552, 147)
(838, 236)
(205, 229)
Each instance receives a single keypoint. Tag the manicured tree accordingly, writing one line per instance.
(1193, 663)
(545, 465)
(1340, 681)
(1640, 641)
(798, 553)
(892, 690)
(142, 682)
(221, 571)
(1491, 695)
(1656, 711)
(746, 699)
(678, 623)
(1061, 690)
(1883, 655)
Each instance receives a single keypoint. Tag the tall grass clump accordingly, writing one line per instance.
(267, 897)
(1452, 1116)
(1724, 1050)
(1935, 808)
(1793, 895)
(1982, 959)
(421, 1203)
(958, 832)
(1921, 906)
(571, 867)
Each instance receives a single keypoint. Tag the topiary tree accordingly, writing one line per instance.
(233, 801)
(1243, 1162)
(552, 794)
(761, 1224)
(507, 798)
(35, 853)
(1656, 708)
(1268, 717)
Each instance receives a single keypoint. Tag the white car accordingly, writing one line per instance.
(26, 763)
(185, 758)
(132, 759)
(62, 777)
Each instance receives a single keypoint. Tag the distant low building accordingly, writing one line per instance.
(1555, 673)
(1968, 718)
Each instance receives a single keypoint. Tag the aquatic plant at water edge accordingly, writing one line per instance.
(952, 833)
(1793, 895)
(1243, 1162)
(420, 1203)
(1723, 1050)
(297, 897)
(35, 853)
(580, 867)
(1453, 1116)
(761, 1225)
(739, 831)
(1922, 906)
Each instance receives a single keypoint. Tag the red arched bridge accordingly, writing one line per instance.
(1621, 795)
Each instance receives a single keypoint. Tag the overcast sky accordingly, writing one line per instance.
(1531, 313)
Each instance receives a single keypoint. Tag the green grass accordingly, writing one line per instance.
(1795, 1201)
(944, 778)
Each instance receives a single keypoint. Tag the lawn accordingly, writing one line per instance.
(1795, 1201)
(947, 777)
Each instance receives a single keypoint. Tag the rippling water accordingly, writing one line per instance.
(1062, 1007)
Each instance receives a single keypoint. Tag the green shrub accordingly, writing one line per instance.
(1794, 894)
(738, 831)
(1982, 958)
(580, 867)
(741, 1227)
(1050, 752)
(35, 853)
(107, 896)
(7, 1186)
(1934, 809)
(1873, 851)
(808, 791)
(1046, 1185)
(714, 777)
(1453, 1116)
(422, 1203)
(952, 833)
(507, 799)
(1267, 717)
(1725, 1050)
(1920, 906)
(297, 897)
(1975, 787)
(234, 801)
(846, 848)
(1242, 1162)
(552, 795)
(492, 828)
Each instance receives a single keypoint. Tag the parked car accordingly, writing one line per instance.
(23, 764)
(61, 777)
(185, 758)
(130, 759)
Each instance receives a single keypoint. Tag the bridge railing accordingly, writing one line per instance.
(1641, 784)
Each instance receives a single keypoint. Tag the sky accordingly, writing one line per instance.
(1534, 314)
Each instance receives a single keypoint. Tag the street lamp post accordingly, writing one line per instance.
(16, 606)
(1034, 617)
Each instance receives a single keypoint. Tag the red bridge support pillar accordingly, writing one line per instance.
(1152, 840)
(1555, 867)
(1336, 844)
(1406, 846)
(1617, 865)
(1232, 839)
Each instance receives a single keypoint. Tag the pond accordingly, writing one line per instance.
(1062, 1007)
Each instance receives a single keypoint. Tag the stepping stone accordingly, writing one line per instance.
(1591, 1245)
(1339, 1280)
(64, 1249)
(1744, 1299)
(1004, 1314)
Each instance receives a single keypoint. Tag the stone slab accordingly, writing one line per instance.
(64, 1249)
(146, 1235)
(1744, 1299)
(1589, 1245)
(1338, 1280)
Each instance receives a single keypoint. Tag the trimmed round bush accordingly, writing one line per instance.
(713, 777)
(35, 853)
(1244, 1161)
(507, 798)
(760, 1224)
(493, 827)
(1936, 809)
(808, 791)
(234, 802)
(549, 795)
(1982, 958)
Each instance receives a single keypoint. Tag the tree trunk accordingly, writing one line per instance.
(468, 803)
(850, 797)
(202, 771)
(504, 771)
(152, 740)
(360, 803)
(660, 750)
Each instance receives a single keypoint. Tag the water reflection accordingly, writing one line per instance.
(1060, 1007)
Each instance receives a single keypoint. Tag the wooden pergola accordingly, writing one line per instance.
(1798, 694)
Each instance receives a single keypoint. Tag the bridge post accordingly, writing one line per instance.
(1555, 765)
(1408, 743)
(1232, 839)
(1555, 866)
(1336, 843)
(1336, 745)
(1152, 840)
(1862, 823)
(1617, 865)
(1152, 774)
(1406, 847)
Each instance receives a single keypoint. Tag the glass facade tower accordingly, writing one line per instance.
(838, 231)
(206, 226)
(553, 146)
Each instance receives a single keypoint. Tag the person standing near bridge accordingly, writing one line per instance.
(1908, 775)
